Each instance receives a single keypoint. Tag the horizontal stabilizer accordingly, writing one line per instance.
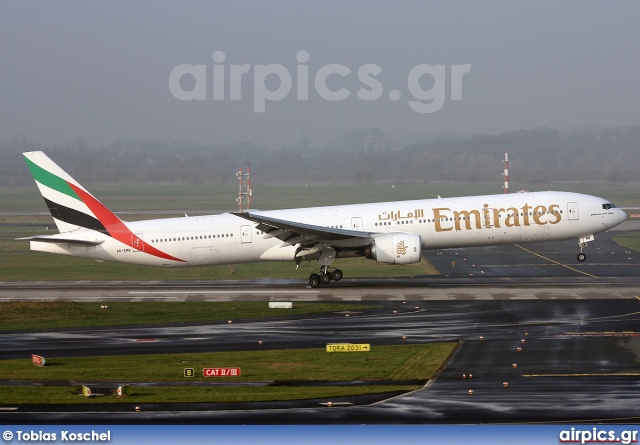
(58, 240)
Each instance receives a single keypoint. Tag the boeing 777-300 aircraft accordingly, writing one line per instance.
(387, 232)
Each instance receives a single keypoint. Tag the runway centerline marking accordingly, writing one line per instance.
(555, 262)
(122, 296)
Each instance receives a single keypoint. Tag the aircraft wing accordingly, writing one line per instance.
(59, 240)
(292, 232)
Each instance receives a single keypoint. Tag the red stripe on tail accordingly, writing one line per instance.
(116, 228)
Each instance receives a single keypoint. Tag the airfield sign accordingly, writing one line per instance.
(221, 372)
(37, 360)
(348, 347)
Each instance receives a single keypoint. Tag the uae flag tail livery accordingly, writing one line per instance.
(70, 204)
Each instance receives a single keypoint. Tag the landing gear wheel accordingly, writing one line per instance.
(314, 280)
(324, 275)
(581, 257)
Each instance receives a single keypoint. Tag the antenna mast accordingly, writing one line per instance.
(245, 192)
(506, 172)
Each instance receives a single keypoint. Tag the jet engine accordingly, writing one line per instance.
(395, 248)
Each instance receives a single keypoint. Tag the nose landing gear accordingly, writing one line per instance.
(582, 243)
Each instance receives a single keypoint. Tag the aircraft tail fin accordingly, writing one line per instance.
(70, 204)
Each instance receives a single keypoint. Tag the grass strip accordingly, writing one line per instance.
(630, 240)
(26, 315)
(390, 362)
(403, 361)
(220, 394)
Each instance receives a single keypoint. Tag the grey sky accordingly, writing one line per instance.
(100, 71)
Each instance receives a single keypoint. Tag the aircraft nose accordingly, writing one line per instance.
(622, 215)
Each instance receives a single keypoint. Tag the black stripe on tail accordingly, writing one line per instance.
(75, 217)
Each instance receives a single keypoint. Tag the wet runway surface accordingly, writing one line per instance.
(542, 338)
(579, 360)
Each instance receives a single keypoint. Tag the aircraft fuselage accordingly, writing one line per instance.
(440, 223)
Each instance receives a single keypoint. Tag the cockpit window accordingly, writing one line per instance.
(608, 206)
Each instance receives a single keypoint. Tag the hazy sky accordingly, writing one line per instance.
(100, 71)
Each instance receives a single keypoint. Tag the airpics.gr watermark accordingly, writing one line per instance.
(227, 82)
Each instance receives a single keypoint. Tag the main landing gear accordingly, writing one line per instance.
(324, 276)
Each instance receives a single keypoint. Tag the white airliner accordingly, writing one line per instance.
(387, 232)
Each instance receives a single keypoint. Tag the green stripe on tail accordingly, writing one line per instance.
(50, 180)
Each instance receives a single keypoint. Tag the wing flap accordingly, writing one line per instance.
(288, 231)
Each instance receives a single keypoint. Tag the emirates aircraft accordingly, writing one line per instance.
(386, 232)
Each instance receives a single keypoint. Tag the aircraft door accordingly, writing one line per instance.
(245, 234)
(572, 210)
(356, 223)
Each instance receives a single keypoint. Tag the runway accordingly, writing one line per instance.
(415, 289)
(576, 325)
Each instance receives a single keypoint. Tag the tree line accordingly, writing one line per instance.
(363, 156)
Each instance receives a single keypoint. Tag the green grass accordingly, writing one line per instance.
(67, 314)
(630, 240)
(413, 362)
(163, 394)
(403, 361)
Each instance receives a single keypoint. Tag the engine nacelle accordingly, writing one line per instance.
(395, 248)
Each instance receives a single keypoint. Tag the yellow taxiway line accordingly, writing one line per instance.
(555, 262)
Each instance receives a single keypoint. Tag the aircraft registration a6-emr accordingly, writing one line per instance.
(387, 232)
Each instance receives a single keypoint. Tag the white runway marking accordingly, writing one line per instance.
(228, 291)
(123, 296)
